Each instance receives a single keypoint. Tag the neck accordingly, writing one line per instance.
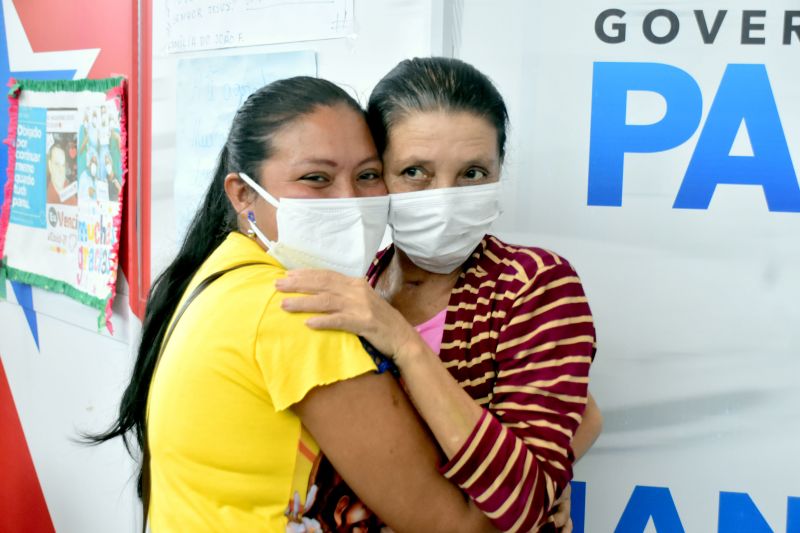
(403, 276)
(416, 293)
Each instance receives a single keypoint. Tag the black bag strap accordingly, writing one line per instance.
(146, 447)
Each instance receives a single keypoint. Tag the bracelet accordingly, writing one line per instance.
(384, 363)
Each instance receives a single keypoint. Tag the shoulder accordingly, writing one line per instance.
(245, 303)
(524, 264)
(546, 304)
(288, 332)
(293, 358)
(236, 296)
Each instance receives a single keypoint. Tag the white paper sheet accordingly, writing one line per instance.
(209, 91)
(208, 24)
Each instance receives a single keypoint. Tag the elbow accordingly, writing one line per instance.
(597, 422)
(475, 526)
(592, 424)
(473, 520)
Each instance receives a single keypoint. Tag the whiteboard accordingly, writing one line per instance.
(211, 89)
(382, 34)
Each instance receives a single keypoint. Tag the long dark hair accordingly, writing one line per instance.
(434, 84)
(248, 145)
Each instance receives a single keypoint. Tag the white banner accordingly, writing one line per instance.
(656, 146)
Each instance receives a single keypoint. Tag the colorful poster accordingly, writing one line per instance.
(60, 222)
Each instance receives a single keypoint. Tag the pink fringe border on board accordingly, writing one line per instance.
(118, 93)
(11, 141)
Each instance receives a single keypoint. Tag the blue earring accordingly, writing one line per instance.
(252, 218)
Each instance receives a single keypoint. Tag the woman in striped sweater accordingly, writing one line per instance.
(493, 341)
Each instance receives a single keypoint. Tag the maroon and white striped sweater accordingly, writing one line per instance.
(519, 339)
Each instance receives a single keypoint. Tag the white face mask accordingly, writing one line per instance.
(438, 229)
(340, 234)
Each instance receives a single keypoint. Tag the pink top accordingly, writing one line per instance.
(433, 329)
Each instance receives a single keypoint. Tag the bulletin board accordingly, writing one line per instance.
(67, 164)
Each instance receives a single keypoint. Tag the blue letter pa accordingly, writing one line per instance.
(611, 137)
(744, 95)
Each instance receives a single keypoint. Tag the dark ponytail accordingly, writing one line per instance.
(248, 145)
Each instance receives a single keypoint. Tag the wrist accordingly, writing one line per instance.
(382, 362)
(410, 350)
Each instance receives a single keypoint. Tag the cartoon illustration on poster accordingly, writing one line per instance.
(99, 166)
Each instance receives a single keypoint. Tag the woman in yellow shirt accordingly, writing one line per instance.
(233, 398)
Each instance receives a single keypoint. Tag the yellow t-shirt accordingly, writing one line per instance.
(227, 453)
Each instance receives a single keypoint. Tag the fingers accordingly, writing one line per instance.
(312, 281)
(307, 282)
(323, 303)
(561, 510)
(560, 518)
(338, 322)
(315, 303)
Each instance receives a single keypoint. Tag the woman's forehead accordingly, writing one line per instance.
(442, 134)
(334, 133)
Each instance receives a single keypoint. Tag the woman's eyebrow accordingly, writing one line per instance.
(370, 159)
(413, 160)
(316, 161)
(332, 163)
(482, 161)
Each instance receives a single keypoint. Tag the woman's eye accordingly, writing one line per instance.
(476, 174)
(369, 176)
(413, 173)
(315, 178)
